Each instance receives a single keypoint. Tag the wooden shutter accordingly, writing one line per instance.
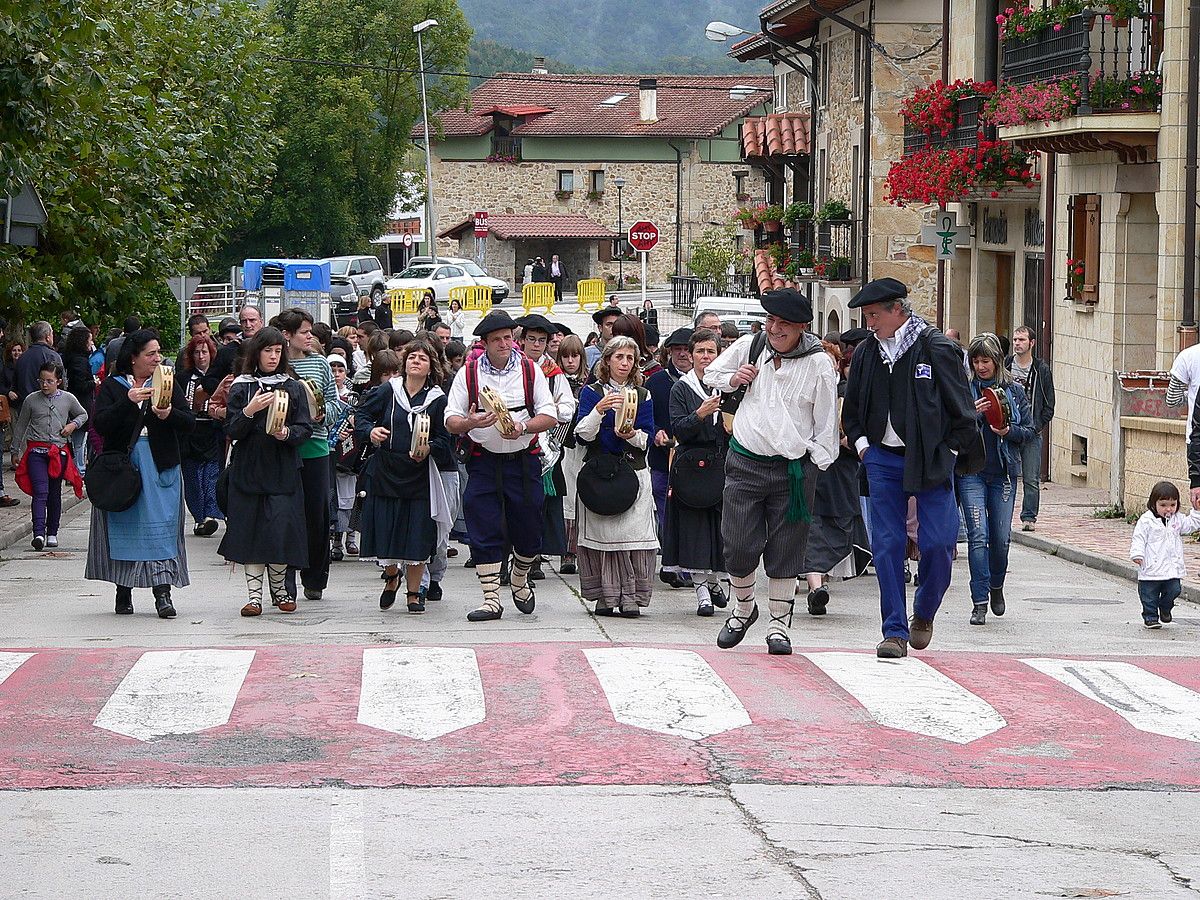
(606, 251)
(1091, 248)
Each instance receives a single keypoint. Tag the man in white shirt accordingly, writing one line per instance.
(785, 429)
(535, 339)
(504, 495)
(557, 276)
(1185, 380)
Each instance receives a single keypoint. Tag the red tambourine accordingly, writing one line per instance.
(999, 412)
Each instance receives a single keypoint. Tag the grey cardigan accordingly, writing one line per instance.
(43, 418)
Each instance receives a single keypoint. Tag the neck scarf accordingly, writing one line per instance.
(262, 380)
(904, 339)
(693, 381)
(486, 364)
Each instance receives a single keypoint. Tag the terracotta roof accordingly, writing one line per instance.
(764, 272)
(522, 227)
(777, 134)
(691, 106)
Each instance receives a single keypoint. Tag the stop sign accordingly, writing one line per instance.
(643, 236)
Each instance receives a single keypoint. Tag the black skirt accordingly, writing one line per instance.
(692, 538)
(265, 529)
(395, 528)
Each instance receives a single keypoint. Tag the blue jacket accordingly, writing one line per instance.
(1001, 456)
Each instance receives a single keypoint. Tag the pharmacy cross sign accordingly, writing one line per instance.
(945, 234)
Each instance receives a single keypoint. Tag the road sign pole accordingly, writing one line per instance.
(644, 255)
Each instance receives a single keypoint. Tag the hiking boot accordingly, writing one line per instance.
(997, 601)
(891, 648)
(979, 614)
(920, 632)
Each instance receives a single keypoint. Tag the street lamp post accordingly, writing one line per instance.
(619, 183)
(430, 216)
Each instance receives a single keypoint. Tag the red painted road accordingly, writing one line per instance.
(549, 723)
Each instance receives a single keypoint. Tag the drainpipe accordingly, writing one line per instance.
(678, 208)
(1046, 332)
(941, 263)
(865, 175)
(1187, 330)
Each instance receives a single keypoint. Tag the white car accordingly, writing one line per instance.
(450, 272)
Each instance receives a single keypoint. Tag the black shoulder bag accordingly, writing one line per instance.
(113, 481)
(607, 484)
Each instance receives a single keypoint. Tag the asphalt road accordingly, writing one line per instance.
(345, 751)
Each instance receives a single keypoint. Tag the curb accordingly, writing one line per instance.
(1092, 560)
(13, 534)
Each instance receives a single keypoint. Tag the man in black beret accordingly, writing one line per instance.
(604, 319)
(504, 494)
(908, 413)
(784, 431)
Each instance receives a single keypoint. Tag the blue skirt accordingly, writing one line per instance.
(148, 529)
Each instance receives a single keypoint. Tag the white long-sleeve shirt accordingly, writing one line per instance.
(790, 411)
(1159, 545)
(512, 388)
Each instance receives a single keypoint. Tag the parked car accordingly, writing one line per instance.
(363, 273)
(450, 272)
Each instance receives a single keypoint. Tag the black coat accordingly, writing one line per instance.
(927, 396)
(660, 385)
(117, 420)
(539, 273)
(1040, 392)
(80, 382)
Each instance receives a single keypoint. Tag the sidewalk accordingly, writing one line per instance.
(1066, 528)
(16, 522)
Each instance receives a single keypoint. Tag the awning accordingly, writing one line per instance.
(775, 136)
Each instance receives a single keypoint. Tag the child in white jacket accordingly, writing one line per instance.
(1157, 549)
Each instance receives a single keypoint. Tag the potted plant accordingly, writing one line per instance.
(746, 218)
(834, 211)
(595, 195)
(821, 266)
(797, 212)
(806, 261)
(1075, 274)
(562, 195)
(770, 217)
(839, 269)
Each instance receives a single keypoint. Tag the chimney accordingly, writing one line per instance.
(539, 66)
(648, 100)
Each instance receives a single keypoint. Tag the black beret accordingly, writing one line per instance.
(493, 321)
(855, 336)
(563, 329)
(652, 337)
(534, 322)
(788, 304)
(603, 312)
(679, 337)
(881, 290)
(229, 325)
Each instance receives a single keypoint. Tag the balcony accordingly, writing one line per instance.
(1108, 67)
(505, 149)
(964, 134)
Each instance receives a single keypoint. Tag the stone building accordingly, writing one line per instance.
(1111, 198)
(543, 154)
(847, 70)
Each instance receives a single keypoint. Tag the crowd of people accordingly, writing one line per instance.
(700, 462)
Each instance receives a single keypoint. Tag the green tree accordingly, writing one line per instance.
(712, 253)
(345, 130)
(143, 180)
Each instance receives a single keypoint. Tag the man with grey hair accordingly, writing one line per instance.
(710, 320)
(908, 414)
(41, 351)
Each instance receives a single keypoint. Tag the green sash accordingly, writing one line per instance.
(797, 510)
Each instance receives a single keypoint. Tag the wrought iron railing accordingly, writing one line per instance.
(506, 147)
(964, 134)
(834, 246)
(685, 289)
(1089, 47)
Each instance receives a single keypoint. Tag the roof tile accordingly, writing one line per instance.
(521, 227)
(777, 134)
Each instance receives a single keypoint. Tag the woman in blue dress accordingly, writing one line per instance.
(142, 546)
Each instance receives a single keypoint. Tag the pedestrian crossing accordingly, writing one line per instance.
(564, 713)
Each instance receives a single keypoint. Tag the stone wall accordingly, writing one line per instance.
(649, 193)
(1154, 452)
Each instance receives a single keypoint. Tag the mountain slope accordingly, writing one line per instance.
(617, 35)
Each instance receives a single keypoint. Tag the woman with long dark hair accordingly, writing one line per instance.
(265, 529)
(142, 546)
(76, 352)
(204, 449)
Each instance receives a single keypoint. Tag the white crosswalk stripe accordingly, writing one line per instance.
(10, 662)
(911, 696)
(421, 692)
(669, 691)
(1146, 701)
(176, 692)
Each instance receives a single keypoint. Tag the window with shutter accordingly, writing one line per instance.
(1085, 247)
(606, 251)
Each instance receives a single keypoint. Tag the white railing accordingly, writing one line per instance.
(215, 301)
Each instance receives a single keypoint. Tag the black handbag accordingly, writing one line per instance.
(607, 484)
(698, 477)
(113, 481)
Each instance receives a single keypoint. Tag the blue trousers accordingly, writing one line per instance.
(503, 506)
(1031, 477)
(937, 518)
(200, 488)
(1158, 596)
(47, 495)
(987, 502)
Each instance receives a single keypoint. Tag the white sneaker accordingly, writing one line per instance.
(52, 540)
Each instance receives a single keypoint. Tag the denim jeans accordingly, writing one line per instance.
(1031, 477)
(1157, 596)
(987, 502)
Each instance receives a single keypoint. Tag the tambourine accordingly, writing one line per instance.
(162, 384)
(491, 398)
(627, 415)
(419, 446)
(999, 411)
(316, 399)
(277, 412)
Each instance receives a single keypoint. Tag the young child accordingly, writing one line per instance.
(1157, 549)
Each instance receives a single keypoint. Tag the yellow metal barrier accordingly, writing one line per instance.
(476, 297)
(538, 295)
(405, 301)
(590, 292)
